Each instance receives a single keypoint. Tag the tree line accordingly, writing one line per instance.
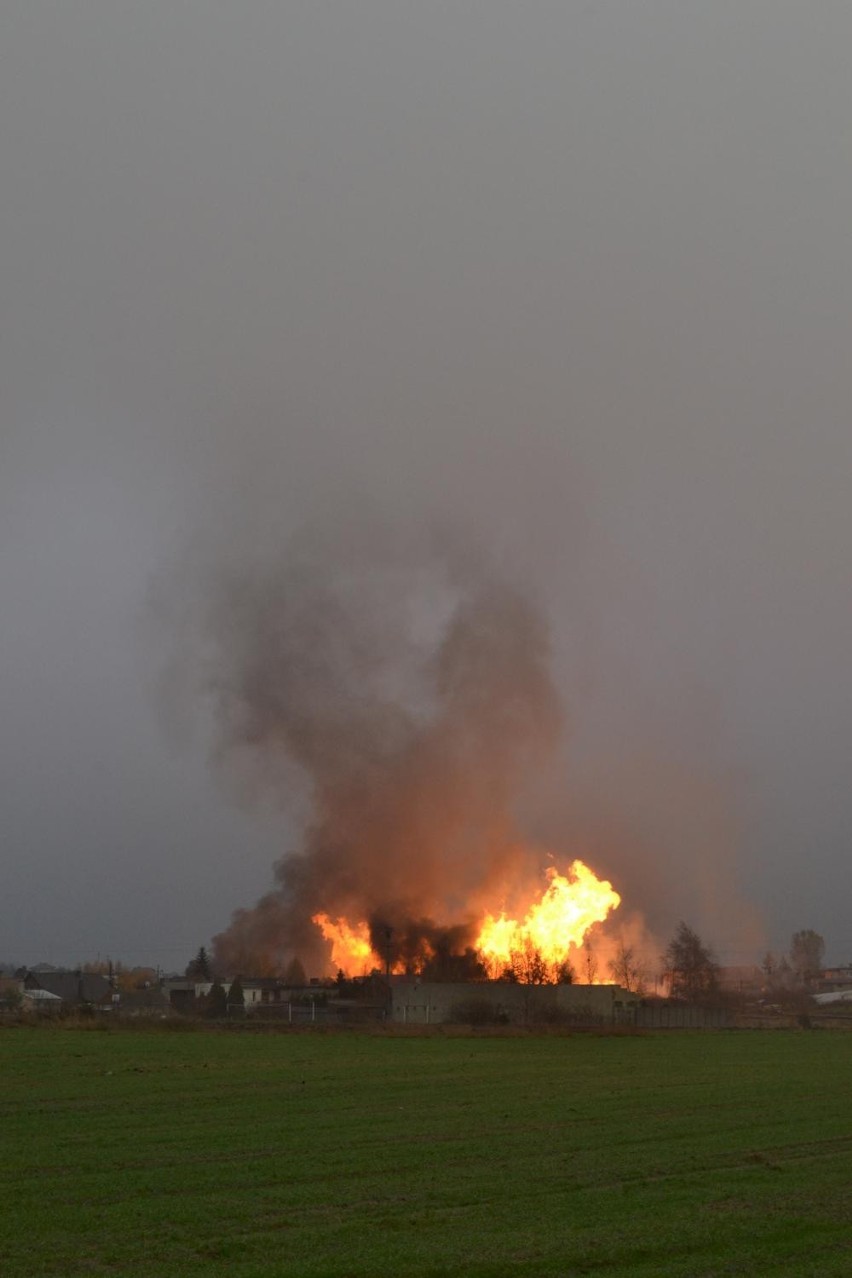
(690, 969)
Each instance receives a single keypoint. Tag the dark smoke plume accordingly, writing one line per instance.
(409, 688)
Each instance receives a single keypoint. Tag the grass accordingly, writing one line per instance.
(255, 1155)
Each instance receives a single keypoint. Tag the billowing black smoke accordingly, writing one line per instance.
(408, 689)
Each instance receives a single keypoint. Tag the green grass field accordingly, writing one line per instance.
(156, 1153)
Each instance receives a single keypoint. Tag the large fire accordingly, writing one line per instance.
(553, 926)
(570, 905)
(351, 951)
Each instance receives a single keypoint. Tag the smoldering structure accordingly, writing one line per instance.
(402, 692)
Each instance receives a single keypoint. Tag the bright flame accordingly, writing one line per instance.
(571, 904)
(350, 946)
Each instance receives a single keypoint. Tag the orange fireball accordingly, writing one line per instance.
(571, 904)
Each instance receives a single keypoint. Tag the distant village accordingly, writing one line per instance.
(722, 996)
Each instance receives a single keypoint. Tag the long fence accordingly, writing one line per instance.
(672, 1016)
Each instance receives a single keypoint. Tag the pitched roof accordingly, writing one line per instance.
(42, 996)
(72, 987)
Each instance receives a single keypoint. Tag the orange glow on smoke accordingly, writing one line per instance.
(570, 905)
(350, 945)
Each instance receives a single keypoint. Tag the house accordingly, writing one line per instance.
(834, 978)
(42, 1001)
(73, 989)
(180, 992)
(262, 995)
(263, 991)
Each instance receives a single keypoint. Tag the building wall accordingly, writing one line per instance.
(430, 1003)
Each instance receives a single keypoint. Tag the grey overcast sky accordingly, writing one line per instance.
(577, 274)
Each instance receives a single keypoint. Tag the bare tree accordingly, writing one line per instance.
(590, 962)
(528, 966)
(690, 965)
(626, 969)
(807, 950)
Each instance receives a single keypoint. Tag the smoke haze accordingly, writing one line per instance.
(572, 281)
(408, 689)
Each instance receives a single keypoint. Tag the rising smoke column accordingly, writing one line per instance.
(409, 688)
